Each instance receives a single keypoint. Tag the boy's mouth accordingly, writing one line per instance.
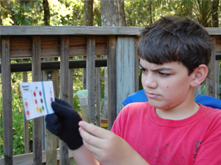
(151, 95)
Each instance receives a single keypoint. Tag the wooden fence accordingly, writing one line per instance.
(37, 43)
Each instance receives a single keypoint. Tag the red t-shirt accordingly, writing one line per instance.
(195, 140)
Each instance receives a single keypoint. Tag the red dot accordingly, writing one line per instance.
(50, 91)
(26, 104)
(36, 102)
(34, 94)
(28, 113)
(51, 99)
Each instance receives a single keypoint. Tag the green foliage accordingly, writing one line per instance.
(17, 115)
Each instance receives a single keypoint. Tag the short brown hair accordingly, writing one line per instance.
(174, 38)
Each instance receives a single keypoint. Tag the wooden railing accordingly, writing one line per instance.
(118, 43)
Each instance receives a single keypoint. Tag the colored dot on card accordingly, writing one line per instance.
(37, 109)
(34, 94)
(41, 100)
(40, 93)
(51, 99)
(40, 110)
(26, 103)
(43, 108)
(28, 113)
(50, 91)
(36, 102)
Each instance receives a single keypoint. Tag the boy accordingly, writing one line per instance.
(169, 129)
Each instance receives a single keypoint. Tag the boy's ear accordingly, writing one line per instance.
(199, 75)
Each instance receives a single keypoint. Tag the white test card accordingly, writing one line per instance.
(37, 98)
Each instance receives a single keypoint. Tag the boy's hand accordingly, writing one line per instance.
(64, 123)
(107, 147)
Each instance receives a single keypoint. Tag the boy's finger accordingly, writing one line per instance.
(94, 150)
(90, 139)
(94, 130)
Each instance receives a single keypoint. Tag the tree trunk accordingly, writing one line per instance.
(109, 13)
(112, 14)
(150, 11)
(215, 20)
(88, 21)
(88, 12)
(46, 12)
(122, 20)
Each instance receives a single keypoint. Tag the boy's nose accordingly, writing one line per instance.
(149, 81)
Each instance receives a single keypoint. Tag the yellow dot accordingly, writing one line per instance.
(40, 110)
(37, 109)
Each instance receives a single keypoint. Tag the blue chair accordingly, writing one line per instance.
(140, 96)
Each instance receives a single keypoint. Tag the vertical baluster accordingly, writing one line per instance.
(112, 95)
(90, 68)
(7, 100)
(64, 66)
(38, 122)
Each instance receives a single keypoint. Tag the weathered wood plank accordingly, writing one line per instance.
(64, 65)
(68, 30)
(136, 69)
(27, 159)
(70, 87)
(90, 69)
(70, 97)
(7, 100)
(80, 30)
(98, 96)
(211, 80)
(50, 46)
(26, 130)
(21, 67)
(217, 79)
(51, 139)
(111, 69)
(125, 69)
(38, 122)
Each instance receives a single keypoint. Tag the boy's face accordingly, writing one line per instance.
(167, 85)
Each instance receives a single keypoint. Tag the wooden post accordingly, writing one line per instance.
(136, 60)
(98, 96)
(210, 81)
(38, 122)
(125, 69)
(51, 139)
(111, 66)
(64, 66)
(70, 85)
(84, 75)
(217, 75)
(7, 100)
(217, 79)
(91, 76)
(26, 130)
(70, 97)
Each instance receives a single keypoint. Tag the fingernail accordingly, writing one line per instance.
(80, 123)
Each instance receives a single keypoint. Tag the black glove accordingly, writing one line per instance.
(64, 123)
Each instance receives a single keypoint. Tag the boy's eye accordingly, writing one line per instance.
(143, 70)
(163, 74)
